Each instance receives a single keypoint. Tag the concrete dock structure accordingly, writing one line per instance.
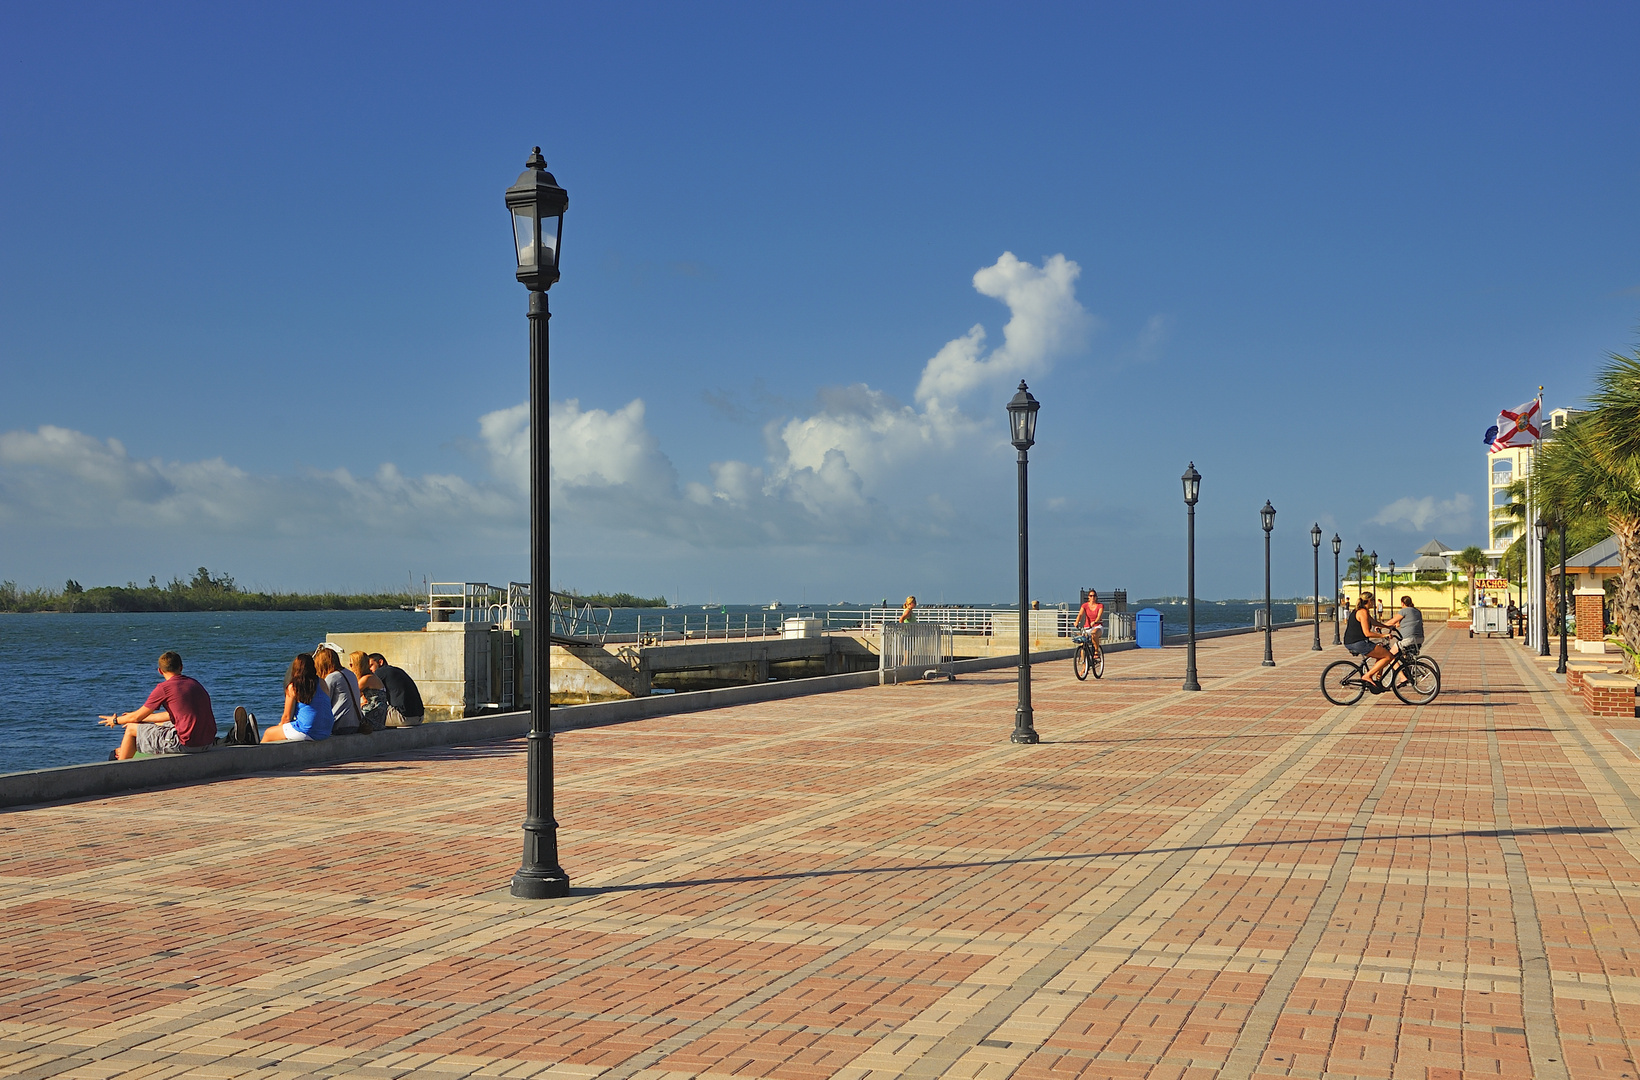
(1237, 883)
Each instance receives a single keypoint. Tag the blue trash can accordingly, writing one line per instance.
(1147, 628)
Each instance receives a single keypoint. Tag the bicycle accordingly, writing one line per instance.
(1089, 657)
(1414, 679)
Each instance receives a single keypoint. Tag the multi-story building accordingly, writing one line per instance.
(1503, 468)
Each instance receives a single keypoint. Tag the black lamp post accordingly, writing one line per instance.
(1315, 542)
(1391, 585)
(1337, 545)
(1542, 530)
(1022, 429)
(1560, 668)
(537, 205)
(1373, 556)
(1268, 517)
(1360, 568)
(1192, 491)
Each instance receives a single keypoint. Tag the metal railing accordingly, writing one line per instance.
(977, 621)
(912, 650)
(706, 626)
(480, 602)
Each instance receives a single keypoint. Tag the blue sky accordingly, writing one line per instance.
(257, 308)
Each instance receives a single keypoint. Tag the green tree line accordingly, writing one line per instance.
(203, 592)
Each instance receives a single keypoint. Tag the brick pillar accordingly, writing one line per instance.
(1591, 625)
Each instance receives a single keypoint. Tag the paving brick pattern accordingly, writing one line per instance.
(1242, 882)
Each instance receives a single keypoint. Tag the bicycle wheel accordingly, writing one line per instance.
(1080, 662)
(1334, 686)
(1099, 664)
(1417, 683)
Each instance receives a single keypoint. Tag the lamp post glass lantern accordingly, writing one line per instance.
(1337, 545)
(1022, 430)
(537, 206)
(1315, 542)
(1192, 491)
(1267, 517)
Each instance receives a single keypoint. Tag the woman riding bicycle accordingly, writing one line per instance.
(1092, 616)
(1361, 639)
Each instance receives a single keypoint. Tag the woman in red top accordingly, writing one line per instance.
(1092, 616)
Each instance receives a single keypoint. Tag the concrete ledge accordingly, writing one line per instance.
(600, 713)
(105, 778)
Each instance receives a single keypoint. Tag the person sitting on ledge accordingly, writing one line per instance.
(404, 708)
(344, 699)
(176, 718)
(307, 716)
(372, 694)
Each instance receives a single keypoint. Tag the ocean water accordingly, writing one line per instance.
(65, 670)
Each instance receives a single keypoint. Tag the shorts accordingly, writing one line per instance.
(294, 733)
(1361, 648)
(162, 739)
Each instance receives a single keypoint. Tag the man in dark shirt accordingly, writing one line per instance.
(176, 718)
(404, 708)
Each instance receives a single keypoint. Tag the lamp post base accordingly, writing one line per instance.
(1024, 729)
(540, 884)
(1192, 684)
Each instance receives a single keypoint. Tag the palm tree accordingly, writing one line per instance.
(1359, 568)
(1592, 466)
(1471, 560)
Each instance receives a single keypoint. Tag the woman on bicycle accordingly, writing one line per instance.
(1092, 616)
(1361, 640)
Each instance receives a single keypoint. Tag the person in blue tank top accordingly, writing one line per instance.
(307, 716)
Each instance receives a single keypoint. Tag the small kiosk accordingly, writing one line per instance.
(1490, 614)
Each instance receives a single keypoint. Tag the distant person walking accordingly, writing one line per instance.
(908, 613)
(307, 716)
(176, 718)
(404, 708)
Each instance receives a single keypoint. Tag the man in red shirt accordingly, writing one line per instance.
(176, 718)
(1092, 616)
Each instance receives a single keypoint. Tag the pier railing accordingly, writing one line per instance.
(730, 626)
(479, 601)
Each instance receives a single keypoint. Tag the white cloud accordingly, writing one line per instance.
(859, 469)
(1421, 515)
(1046, 321)
(58, 477)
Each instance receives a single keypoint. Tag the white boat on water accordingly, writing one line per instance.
(773, 607)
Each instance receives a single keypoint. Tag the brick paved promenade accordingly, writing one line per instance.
(1242, 882)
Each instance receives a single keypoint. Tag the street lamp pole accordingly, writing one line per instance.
(1192, 491)
(1542, 598)
(1360, 568)
(537, 205)
(1022, 429)
(1315, 542)
(1337, 545)
(1373, 555)
(1268, 518)
(1560, 668)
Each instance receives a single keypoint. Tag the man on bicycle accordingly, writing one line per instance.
(1410, 622)
(1092, 616)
